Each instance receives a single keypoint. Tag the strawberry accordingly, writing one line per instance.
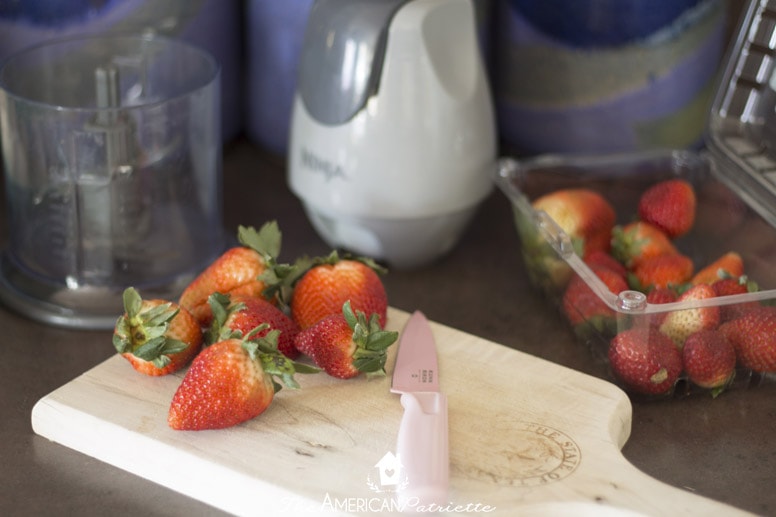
(754, 337)
(645, 361)
(581, 305)
(661, 271)
(346, 344)
(639, 241)
(670, 205)
(239, 270)
(732, 286)
(585, 216)
(709, 360)
(238, 315)
(236, 271)
(728, 265)
(230, 382)
(678, 325)
(330, 282)
(602, 258)
(157, 337)
(658, 296)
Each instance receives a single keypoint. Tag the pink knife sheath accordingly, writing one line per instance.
(422, 450)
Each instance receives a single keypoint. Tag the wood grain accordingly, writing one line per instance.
(524, 433)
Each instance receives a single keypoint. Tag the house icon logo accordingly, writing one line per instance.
(387, 475)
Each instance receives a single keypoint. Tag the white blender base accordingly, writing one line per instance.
(401, 243)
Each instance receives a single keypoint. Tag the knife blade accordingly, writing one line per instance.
(422, 442)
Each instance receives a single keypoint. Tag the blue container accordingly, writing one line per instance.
(274, 35)
(603, 76)
(601, 23)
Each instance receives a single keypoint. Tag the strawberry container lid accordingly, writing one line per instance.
(741, 130)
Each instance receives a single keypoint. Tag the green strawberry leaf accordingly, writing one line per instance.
(121, 341)
(370, 364)
(173, 346)
(367, 364)
(222, 308)
(132, 301)
(380, 340)
(218, 305)
(154, 332)
(161, 361)
(350, 317)
(266, 241)
(151, 349)
(144, 334)
(159, 315)
(333, 257)
(281, 278)
(267, 343)
(279, 366)
(380, 270)
(274, 363)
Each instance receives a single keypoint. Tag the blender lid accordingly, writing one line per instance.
(741, 131)
(342, 55)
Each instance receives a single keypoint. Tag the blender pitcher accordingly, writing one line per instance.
(111, 149)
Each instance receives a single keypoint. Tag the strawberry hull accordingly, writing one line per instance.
(724, 223)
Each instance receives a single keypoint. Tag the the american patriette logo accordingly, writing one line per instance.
(388, 474)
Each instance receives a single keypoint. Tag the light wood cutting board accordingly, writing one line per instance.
(525, 434)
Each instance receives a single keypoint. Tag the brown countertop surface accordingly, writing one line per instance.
(720, 448)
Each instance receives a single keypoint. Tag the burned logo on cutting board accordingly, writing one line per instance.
(523, 454)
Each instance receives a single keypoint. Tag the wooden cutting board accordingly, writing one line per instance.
(525, 434)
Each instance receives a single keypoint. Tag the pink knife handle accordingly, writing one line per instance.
(422, 450)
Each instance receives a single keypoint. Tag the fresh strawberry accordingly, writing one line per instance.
(230, 382)
(645, 361)
(661, 271)
(678, 325)
(754, 337)
(582, 306)
(157, 337)
(330, 282)
(346, 344)
(732, 286)
(638, 241)
(238, 315)
(659, 296)
(670, 205)
(239, 270)
(585, 215)
(728, 265)
(602, 258)
(709, 360)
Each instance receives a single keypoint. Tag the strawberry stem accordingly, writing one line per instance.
(142, 333)
(371, 341)
(334, 257)
(264, 349)
(279, 278)
(222, 308)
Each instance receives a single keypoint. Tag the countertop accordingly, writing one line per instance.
(719, 448)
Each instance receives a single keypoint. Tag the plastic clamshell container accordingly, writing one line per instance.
(735, 184)
(724, 222)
